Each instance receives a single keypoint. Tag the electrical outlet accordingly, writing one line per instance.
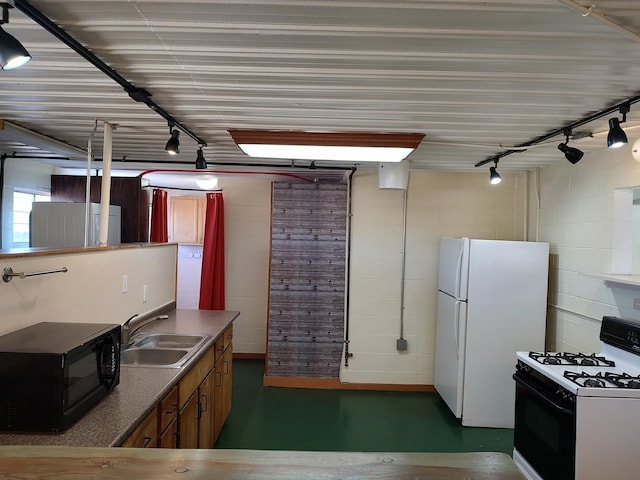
(125, 283)
(145, 293)
(636, 303)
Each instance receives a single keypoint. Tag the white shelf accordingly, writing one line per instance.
(633, 280)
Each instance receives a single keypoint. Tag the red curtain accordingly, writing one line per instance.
(212, 278)
(159, 232)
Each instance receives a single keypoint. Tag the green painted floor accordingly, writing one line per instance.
(274, 418)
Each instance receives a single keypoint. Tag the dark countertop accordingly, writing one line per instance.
(143, 463)
(140, 388)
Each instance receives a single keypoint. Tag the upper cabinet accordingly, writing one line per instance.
(187, 219)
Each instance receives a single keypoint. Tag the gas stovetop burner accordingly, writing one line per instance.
(604, 380)
(623, 380)
(564, 358)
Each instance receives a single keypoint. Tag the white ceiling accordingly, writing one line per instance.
(470, 75)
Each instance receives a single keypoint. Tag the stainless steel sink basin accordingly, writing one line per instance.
(168, 340)
(167, 350)
(158, 357)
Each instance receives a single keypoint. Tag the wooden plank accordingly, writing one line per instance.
(126, 463)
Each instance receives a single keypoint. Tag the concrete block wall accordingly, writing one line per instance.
(578, 217)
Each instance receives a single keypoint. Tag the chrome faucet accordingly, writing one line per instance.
(131, 326)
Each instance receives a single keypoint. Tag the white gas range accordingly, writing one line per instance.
(578, 415)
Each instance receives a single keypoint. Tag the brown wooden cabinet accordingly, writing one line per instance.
(188, 423)
(187, 219)
(146, 434)
(168, 420)
(206, 426)
(223, 379)
(192, 414)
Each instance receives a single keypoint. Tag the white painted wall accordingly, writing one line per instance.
(439, 204)
(91, 290)
(247, 213)
(577, 218)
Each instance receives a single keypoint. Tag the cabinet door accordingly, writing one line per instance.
(218, 395)
(227, 382)
(146, 434)
(169, 437)
(187, 219)
(168, 410)
(206, 424)
(188, 423)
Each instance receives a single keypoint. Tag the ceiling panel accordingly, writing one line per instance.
(474, 77)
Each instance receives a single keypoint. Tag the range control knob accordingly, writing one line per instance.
(523, 367)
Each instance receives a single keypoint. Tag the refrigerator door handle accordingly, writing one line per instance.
(457, 327)
(459, 271)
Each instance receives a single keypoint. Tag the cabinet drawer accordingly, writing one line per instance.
(223, 342)
(195, 376)
(168, 410)
(145, 434)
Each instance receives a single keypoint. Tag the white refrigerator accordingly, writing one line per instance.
(492, 302)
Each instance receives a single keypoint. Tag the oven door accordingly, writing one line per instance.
(544, 431)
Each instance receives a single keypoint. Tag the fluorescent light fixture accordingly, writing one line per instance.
(348, 147)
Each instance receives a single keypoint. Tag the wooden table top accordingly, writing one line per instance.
(130, 463)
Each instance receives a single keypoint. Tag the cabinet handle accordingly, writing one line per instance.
(147, 441)
(206, 404)
(173, 409)
(219, 374)
(226, 367)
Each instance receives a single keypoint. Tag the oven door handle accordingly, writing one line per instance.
(540, 394)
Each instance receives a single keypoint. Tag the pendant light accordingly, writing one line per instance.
(201, 163)
(616, 137)
(494, 176)
(12, 53)
(572, 154)
(173, 145)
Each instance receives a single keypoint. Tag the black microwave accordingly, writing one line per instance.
(53, 373)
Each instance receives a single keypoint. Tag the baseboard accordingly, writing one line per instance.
(249, 356)
(329, 383)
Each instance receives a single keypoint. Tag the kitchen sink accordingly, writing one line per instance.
(167, 340)
(166, 350)
(169, 357)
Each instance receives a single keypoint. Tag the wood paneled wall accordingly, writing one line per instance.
(125, 191)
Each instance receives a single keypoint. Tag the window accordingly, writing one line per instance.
(21, 211)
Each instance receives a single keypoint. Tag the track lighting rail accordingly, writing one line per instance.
(559, 131)
(138, 94)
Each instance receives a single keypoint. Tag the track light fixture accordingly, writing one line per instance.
(494, 176)
(572, 154)
(12, 53)
(616, 137)
(173, 145)
(201, 163)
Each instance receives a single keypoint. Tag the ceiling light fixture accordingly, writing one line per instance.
(622, 107)
(616, 137)
(173, 145)
(12, 53)
(201, 163)
(494, 176)
(348, 147)
(572, 154)
(207, 182)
